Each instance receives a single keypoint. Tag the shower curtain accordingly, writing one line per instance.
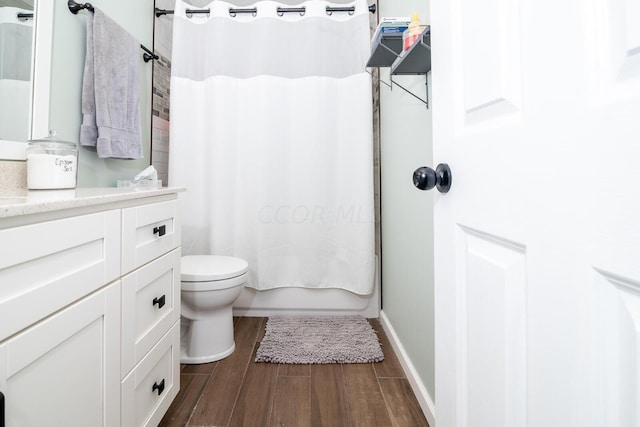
(271, 134)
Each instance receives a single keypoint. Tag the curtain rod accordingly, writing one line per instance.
(281, 10)
(75, 7)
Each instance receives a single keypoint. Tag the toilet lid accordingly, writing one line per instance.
(205, 268)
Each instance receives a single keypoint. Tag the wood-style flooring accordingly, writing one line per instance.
(236, 391)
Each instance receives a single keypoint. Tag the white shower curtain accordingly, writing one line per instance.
(271, 134)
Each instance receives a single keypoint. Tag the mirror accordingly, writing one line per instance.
(27, 115)
(16, 59)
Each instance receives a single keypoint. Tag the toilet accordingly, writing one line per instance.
(209, 286)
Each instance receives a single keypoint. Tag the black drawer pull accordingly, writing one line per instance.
(1, 409)
(160, 231)
(159, 387)
(160, 301)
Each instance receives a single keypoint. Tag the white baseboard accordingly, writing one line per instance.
(424, 399)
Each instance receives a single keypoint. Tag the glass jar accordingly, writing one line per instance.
(51, 164)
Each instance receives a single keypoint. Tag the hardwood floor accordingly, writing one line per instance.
(236, 391)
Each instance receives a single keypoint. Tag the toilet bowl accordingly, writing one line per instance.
(209, 286)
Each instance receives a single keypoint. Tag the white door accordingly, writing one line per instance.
(536, 109)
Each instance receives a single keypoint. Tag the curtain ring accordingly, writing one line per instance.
(280, 13)
(232, 14)
(329, 12)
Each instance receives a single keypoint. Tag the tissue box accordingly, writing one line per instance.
(143, 183)
(150, 183)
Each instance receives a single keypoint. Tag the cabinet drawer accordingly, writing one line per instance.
(149, 389)
(147, 232)
(150, 306)
(47, 266)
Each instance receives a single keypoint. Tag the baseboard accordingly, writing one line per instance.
(424, 399)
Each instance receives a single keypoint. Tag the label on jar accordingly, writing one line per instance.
(50, 171)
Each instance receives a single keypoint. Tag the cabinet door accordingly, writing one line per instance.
(64, 370)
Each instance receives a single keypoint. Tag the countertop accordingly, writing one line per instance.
(26, 202)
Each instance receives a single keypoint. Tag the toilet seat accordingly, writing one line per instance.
(212, 272)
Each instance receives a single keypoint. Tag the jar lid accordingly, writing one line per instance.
(44, 143)
(51, 141)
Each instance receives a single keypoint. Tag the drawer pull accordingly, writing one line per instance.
(160, 301)
(160, 231)
(159, 387)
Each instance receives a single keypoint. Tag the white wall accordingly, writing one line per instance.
(65, 116)
(407, 213)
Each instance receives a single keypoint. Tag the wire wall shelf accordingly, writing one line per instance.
(387, 52)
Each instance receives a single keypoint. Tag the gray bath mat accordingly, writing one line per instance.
(319, 339)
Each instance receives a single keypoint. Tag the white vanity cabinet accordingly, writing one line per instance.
(89, 312)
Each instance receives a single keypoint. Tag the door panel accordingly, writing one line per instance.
(491, 358)
(491, 62)
(617, 340)
(613, 49)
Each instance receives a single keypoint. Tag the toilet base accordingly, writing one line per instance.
(186, 360)
(209, 339)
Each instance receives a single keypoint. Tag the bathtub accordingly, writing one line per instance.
(297, 301)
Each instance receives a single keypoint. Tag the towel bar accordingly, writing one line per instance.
(75, 7)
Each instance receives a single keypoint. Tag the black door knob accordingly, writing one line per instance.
(426, 178)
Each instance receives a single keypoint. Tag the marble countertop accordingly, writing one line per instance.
(25, 202)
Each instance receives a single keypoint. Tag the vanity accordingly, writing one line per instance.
(89, 306)
(89, 277)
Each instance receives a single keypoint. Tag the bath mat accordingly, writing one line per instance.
(319, 340)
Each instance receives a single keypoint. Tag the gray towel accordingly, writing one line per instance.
(110, 91)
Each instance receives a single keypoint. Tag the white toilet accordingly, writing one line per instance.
(210, 285)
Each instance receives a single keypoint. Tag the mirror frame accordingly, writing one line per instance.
(41, 70)
(40, 82)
